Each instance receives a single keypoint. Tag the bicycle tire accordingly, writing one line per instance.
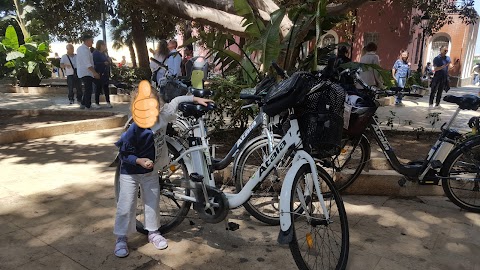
(263, 210)
(356, 158)
(176, 218)
(332, 229)
(464, 158)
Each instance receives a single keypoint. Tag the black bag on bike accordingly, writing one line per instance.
(171, 88)
(287, 93)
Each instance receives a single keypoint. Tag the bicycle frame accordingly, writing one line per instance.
(410, 170)
(290, 142)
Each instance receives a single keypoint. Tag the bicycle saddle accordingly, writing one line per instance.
(202, 93)
(195, 110)
(465, 102)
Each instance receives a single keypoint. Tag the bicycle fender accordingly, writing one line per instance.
(285, 235)
(178, 146)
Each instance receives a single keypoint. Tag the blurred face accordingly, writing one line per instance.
(404, 56)
(444, 51)
(89, 42)
(171, 45)
(103, 47)
(70, 49)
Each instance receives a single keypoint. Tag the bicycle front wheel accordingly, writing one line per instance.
(318, 243)
(461, 176)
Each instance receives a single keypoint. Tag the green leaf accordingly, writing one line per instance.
(270, 40)
(31, 66)
(2, 48)
(14, 55)
(10, 64)
(254, 25)
(11, 38)
(42, 47)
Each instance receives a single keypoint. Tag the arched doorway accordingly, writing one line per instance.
(331, 37)
(435, 45)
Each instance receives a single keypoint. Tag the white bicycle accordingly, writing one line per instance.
(313, 220)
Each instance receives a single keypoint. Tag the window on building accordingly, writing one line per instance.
(328, 39)
(370, 37)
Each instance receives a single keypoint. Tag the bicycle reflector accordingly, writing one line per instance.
(309, 240)
(173, 168)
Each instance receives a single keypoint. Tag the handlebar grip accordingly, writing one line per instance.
(282, 73)
(250, 97)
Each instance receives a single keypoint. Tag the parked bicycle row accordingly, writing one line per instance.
(306, 144)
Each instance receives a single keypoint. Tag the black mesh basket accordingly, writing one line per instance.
(320, 118)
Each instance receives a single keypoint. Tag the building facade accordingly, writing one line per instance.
(391, 27)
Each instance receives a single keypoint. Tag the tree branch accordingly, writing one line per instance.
(202, 14)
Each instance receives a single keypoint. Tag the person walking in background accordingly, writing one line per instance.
(123, 63)
(188, 54)
(160, 54)
(370, 75)
(401, 72)
(85, 69)
(476, 74)
(68, 63)
(335, 61)
(174, 59)
(428, 72)
(101, 62)
(440, 80)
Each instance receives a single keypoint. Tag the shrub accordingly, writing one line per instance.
(28, 60)
(229, 105)
(130, 75)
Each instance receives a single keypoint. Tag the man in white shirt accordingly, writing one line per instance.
(86, 71)
(174, 60)
(68, 63)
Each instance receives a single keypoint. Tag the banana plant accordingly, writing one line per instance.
(27, 59)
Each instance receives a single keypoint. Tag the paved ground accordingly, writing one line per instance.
(57, 210)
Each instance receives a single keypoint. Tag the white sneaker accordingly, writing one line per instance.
(157, 240)
(95, 106)
(438, 107)
(109, 105)
(430, 107)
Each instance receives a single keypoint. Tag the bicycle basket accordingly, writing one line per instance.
(361, 113)
(171, 88)
(320, 118)
(287, 93)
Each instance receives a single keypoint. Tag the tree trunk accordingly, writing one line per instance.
(139, 38)
(133, 57)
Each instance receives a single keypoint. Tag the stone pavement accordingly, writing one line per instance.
(57, 211)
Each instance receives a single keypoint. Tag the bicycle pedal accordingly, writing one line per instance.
(195, 177)
(232, 226)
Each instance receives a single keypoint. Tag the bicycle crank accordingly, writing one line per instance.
(216, 209)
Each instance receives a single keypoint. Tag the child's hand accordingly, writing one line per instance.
(202, 101)
(145, 163)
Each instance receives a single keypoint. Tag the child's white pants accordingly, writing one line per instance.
(127, 202)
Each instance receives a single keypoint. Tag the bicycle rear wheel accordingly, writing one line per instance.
(318, 243)
(461, 172)
(348, 165)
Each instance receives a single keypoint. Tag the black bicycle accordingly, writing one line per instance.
(452, 159)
